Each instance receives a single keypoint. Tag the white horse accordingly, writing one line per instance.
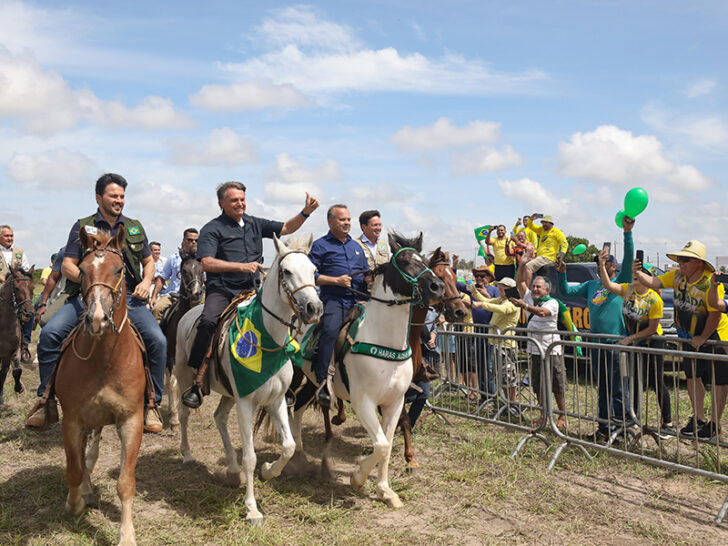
(375, 382)
(287, 290)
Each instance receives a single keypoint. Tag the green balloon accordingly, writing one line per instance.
(635, 202)
(579, 249)
(618, 219)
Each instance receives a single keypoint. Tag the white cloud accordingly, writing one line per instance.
(483, 159)
(536, 197)
(375, 192)
(289, 180)
(699, 88)
(710, 133)
(43, 102)
(291, 171)
(248, 96)
(223, 147)
(319, 56)
(57, 169)
(609, 154)
(444, 134)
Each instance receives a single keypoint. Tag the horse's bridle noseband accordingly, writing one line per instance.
(18, 304)
(115, 290)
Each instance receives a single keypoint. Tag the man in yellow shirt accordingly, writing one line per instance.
(552, 246)
(697, 321)
(504, 266)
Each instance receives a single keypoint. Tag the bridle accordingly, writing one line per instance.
(297, 310)
(18, 304)
(186, 286)
(115, 294)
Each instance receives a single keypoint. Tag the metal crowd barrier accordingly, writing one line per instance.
(634, 407)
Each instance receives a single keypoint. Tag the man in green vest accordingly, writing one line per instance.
(139, 274)
(13, 256)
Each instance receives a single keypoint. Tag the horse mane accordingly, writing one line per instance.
(298, 243)
(99, 239)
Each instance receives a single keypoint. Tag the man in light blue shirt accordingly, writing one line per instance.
(162, 297)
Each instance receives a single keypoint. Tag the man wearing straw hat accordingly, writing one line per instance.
(697, 321)
(552, 246)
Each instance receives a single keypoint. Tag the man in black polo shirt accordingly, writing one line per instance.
(230, 248)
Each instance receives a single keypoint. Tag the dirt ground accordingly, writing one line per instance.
(468, 491)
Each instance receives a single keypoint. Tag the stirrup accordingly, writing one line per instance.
(192, 397)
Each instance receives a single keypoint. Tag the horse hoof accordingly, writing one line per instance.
(19, 387)
(336, 420)
(255, 522)
(174, 429)
(233, 479)
(355, 484)
(189, 463)
(393, 502)
(265, 473)
(75, 511)
(413, 469)
(90, 500)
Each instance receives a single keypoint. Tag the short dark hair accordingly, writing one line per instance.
(225, 186)
(189, 230)
(330, 212)
(109, 178)
(156, 243)
(367, 215)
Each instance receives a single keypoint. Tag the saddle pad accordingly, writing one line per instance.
(255, 355)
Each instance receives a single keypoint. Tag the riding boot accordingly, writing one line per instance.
(43, 414)
(323, 397)
(192, 398)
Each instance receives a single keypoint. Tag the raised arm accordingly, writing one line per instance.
(713, 300)
(613, 287)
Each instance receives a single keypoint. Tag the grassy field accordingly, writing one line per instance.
(469, 491)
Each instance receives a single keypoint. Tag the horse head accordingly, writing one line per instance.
(192, 280)
(22, 293)
(406, 272)
(102, 278)
(295, 274)
(454, 308)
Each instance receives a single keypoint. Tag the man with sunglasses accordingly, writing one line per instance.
(162, 297)
(697, 321)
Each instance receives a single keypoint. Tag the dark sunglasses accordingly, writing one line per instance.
(480, 276)
(190, 240)
(683, 259)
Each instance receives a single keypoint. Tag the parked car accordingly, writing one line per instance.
(577, 273)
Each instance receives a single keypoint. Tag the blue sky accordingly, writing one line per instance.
(444, 116)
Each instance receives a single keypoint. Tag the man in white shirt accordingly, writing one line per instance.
(162, 296)
(542, 315)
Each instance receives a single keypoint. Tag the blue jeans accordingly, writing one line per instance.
(417, 400)
(331, 321)
(58, 328)
(611, 387)
(484, 359)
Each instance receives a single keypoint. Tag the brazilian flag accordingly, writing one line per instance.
(255, 355)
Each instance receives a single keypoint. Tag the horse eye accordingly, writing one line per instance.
(286, 273)
(118, 270)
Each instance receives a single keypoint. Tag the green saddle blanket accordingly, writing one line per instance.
(255, 356)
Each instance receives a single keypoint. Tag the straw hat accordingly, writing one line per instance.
(483, 269)
(547, 218)
(692, 249)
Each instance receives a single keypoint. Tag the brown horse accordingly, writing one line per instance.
(100, 378)
(455, 311)
(191, 294)
(16, 307)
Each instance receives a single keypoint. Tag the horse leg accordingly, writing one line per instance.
(326, 472)
(221, 419)
(184, 412)
(130, 435)
(366, 410)
(409, 453)
(278, 411)
(19, 388)
(92, 455)
(173, 397)
(3, 375)
(74, 438)
(340, 418)
(245, 422)
(389, 424)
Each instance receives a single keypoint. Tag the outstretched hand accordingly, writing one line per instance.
(310, 205)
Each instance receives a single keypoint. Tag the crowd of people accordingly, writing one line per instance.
(625, 306)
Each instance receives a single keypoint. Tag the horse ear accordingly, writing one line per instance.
(418, 243)
(309, 243)
(279, 245)
(32, 268)
(83, 238)
(118, 240)
(393, 245)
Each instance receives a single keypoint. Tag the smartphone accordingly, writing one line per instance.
(722, 277)
(640, 255)
(607, 246)
(537, 215)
